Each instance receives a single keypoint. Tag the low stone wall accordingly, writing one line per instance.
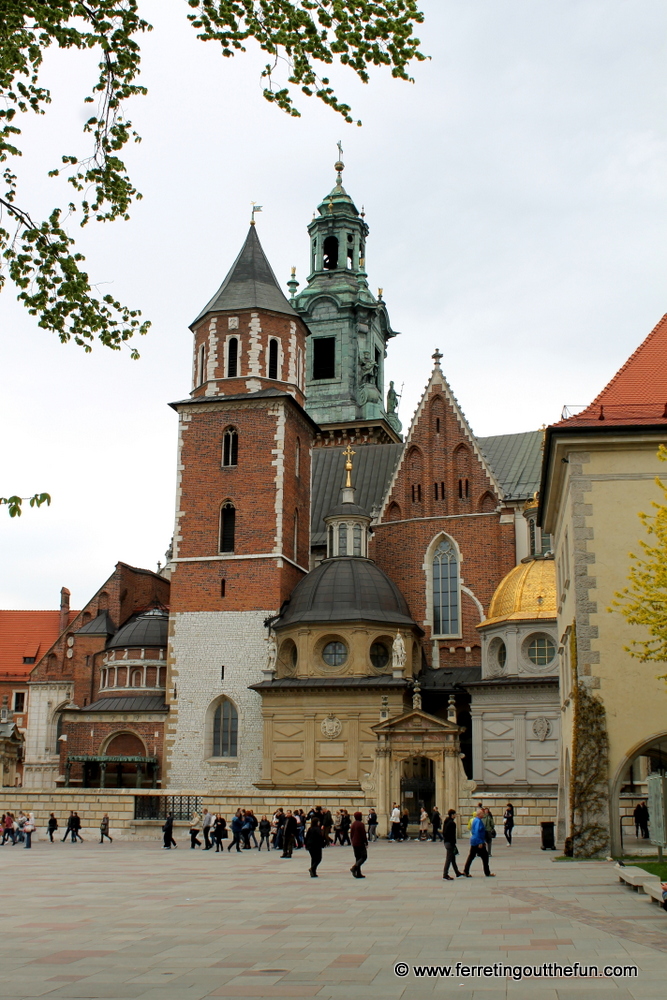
(91, 804)
(529, 810)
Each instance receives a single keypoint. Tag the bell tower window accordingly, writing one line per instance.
(330, 248)
(324, 358)
(201, 365)
(230, 447)
(342, 539)
(227, 526)
(273, 359)
(232, 357)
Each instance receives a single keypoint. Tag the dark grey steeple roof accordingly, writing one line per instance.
(250, 284)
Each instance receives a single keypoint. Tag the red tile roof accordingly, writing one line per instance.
(26, 634)
(637, 394)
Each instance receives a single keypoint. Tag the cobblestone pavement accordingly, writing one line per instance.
(130, 920)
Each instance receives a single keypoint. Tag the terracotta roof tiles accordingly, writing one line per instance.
(26, 635)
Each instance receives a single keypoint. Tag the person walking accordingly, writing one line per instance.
(345, 824)
(29, 829)
(219, 832)
(372, 824)
(253, 826)
(508, 823)
(478, 846)
(436, 823)
(359, 845)
(237, 826)
(51, 826)
(21, 820)
(8, 829)
(337, 820)
(327, 823)
(279, 821)
(246, 829)
(104, 829)
(264, 833)
(76, 828)
(424, 823)
(69, 830)
(490, 828)
(405, 822)
(168, 832)
(195, 827)
(289, 834)
(395, 820)
(314, 845)
(449, 840)
(206, 824)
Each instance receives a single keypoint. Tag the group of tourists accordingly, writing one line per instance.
(18, 828)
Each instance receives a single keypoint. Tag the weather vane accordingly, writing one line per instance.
(255, 208)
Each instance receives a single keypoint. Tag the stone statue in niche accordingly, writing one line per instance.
(368, 368)
(398, 654)
(271, 653)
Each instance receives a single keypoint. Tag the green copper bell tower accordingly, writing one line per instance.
(349, 327)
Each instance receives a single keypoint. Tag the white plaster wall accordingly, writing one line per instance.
(201, 643)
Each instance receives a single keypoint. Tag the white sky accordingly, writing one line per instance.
(516, 200)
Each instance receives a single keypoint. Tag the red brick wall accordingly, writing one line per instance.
(440, 452)
(251, 487)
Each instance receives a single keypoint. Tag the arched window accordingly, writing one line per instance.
(230, 447)
(273, 358)
(331, 541)
(445, 589)
(394, 512)
(356, 543)
(232, 357)
(225, 730)
(330, 262)
(227, 526)
(201, 365)
(297, 459)
(342, 539)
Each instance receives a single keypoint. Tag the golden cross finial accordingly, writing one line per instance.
(348, 465)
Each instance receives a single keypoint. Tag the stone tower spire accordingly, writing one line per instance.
(350, 327)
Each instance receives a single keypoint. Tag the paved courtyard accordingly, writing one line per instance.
(131, 920)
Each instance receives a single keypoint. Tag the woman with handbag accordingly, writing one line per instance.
(449, 838)
(508, 823)
(29, 829)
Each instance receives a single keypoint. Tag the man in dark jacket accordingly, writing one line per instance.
(314, 845)
(436, 822)
(449, 838)
(359, 845)
(237, 826)
(289, 835)
(167, 832)
(327, 823)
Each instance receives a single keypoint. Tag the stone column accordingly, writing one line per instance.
(452, 769)
(382, 754)
(441, 790)
(309, 747)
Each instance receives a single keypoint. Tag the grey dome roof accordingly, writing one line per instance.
(146, 629)
(347, 588)
(348, 510)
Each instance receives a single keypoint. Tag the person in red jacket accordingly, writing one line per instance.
(359, 845)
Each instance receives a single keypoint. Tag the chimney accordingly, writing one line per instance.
(64, 609)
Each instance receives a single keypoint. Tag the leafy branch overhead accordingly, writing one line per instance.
(39, 256)
(644, 601)
(15, 504)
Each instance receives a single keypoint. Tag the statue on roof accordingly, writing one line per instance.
(368, 368)
(392, 399)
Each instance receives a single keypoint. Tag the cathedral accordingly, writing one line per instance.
(351, 612)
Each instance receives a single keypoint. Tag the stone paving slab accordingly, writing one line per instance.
(128, 921)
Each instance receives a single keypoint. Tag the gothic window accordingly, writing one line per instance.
(464, 489)
(342, 539)
(295, 539)
(488, 503)
(201, 365)
(232, 357)
(273, 358)
(330, 248)
(394, 512)
(445, 589)
(324, 357)
(225, 730)
(297, 458)
(227, 526)
(230, 447)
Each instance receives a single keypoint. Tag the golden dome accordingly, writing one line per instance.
(528, 592)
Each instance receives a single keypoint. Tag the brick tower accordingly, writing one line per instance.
(242, 532)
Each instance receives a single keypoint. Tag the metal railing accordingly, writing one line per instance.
(158, 806)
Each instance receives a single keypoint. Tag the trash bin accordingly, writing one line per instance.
(548, 839)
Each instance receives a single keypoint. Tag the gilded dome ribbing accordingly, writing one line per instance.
(528, 592)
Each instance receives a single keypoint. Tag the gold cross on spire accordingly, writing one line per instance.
(348, 465)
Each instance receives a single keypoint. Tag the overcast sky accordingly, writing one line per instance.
(516, 200)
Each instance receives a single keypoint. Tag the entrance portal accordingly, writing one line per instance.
(417, 786)
(629, 787)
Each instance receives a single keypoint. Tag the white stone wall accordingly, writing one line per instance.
(41, 750)
(201, 643)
